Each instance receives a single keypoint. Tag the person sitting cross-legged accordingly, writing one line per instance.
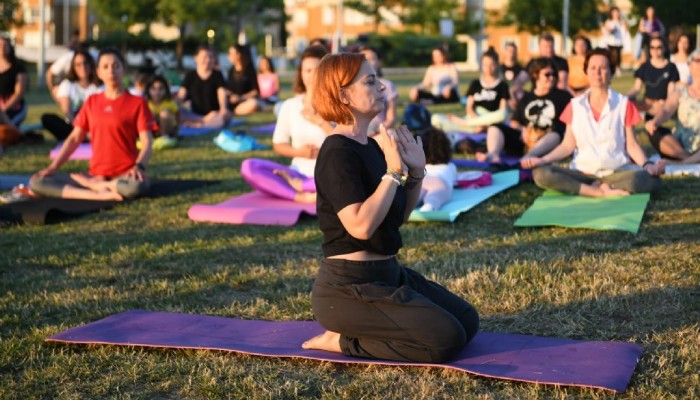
(608, 160)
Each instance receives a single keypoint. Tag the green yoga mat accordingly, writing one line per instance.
(622, 213)
(466, 199)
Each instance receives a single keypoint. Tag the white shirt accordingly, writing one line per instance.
(683, 70)
(446, 172)
(600, 145)
(292, 128)
(76, 93)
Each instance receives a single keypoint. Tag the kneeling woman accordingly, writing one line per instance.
(372, 306)
(115, 120)
(608, 160)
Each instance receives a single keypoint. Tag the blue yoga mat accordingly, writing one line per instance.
(465, 199)
(7, 182)
(543, 360)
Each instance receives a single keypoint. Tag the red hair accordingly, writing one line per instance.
(334, 73)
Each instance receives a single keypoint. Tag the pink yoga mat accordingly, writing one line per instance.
(604, 365)
(253, 209)
(83, 152)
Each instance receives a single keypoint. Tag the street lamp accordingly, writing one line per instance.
(210, 35)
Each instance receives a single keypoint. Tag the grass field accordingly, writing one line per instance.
(557, 282)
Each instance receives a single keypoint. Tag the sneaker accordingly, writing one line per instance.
(164, 142)
(19, 193)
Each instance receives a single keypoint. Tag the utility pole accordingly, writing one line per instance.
(564, 27)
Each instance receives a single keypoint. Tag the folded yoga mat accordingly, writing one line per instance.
(465, 199)
(264, 129)
(196, 131)
(604, 365)
(622, 213)
(83, 152)
(47, 210)
(254, 208)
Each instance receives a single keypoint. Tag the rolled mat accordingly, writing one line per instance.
(556, 361)
(254, 208)
(622, 213)
(465, 199)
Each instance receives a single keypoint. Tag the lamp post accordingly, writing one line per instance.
(210, 37)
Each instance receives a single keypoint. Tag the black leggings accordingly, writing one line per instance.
(58, 127)
(386, 311)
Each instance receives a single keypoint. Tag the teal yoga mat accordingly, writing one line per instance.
(623, 213)
(465, 199)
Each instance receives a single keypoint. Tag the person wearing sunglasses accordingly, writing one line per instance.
(607, 158)
(657, 76)
(683, 143)
(534, 128)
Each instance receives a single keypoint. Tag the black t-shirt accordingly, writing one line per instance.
(8, 80)
(242, 82)
(656, 80)
(488, 97)
(348, 172)
(202, 93)
(560, 64)
(543, 112)
(510, 73)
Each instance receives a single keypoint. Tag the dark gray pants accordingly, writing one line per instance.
(386, 311)
(569, 181)
(52, 186)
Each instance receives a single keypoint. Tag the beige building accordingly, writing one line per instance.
(309, 19)
(61, 17)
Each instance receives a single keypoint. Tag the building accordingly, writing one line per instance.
(62, 18)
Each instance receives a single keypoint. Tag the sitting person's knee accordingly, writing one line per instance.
(542, 175)
(642, 182)
(131, 188)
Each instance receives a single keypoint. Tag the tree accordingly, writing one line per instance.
(8, 18)
(124, 13)
(673, 13)
(427, 13)
(372, 8)
(538, 16)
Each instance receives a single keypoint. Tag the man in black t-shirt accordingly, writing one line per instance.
(546, 45)
(535, 127)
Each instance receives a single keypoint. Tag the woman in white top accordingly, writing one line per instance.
(680, 58)
(299, 133)
(441, 173)
(80, 83)
(440, 83)
(608, 160)
(614, 32)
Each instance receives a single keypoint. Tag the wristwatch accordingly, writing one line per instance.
(141, 167)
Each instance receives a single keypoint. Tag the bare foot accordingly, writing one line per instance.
(295, 183)
(90, 182)
(607, 190)
(109, 195)
(491, 158)
(305, 197)
(328, 341)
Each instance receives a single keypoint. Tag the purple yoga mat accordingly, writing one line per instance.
(505, 160)
(83, 152)
(253, 209)
(264, 129)
(604, 365)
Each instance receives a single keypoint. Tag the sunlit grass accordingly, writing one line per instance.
(559, 282)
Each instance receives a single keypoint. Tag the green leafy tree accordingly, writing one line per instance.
(372, 8)
(123, 13)
(537, 16)
(8, 16)
(426, 14)
(672, 13)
